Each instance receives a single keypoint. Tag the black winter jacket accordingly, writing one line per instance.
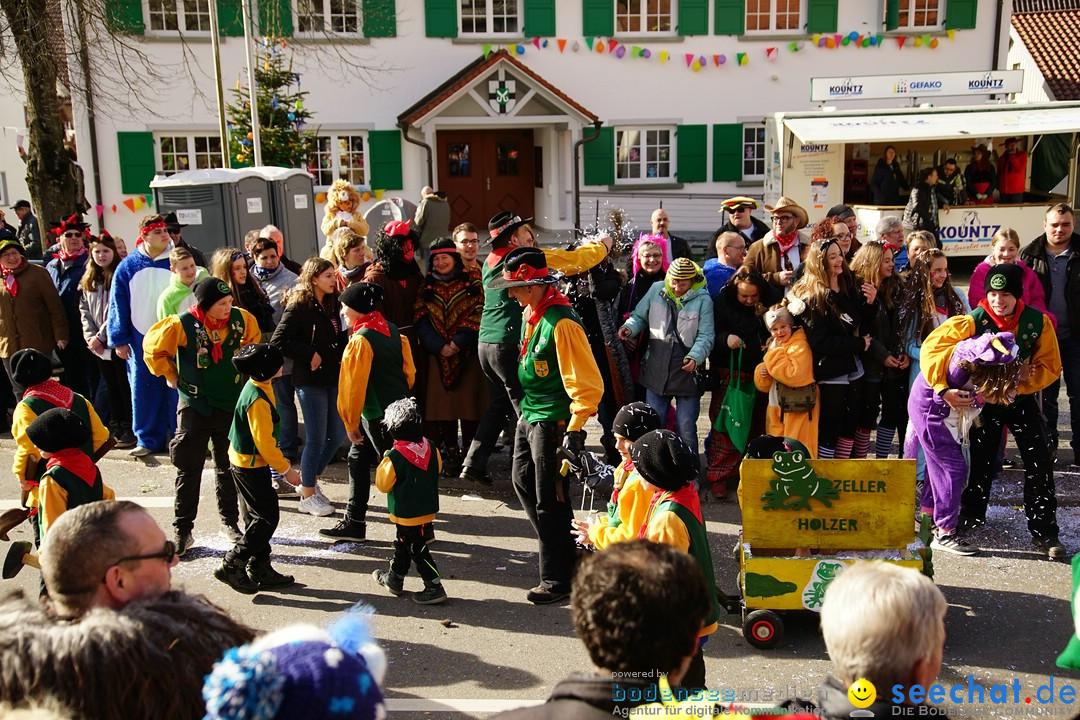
(730, 317)
(1034, 254)
(306, 329)
(835, 334)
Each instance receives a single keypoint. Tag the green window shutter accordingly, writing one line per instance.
(384, 159)
(230, 18)
(124, 16)
(693, 17)
(727, 152)
(730, 17)
(821, 16)
(892, 14)
(275, 18)
(961, 14)
(137, 165)
(380, 18)
(598, 18)
(539, 18)
(691, 146)
(599, 157)
(440, 18)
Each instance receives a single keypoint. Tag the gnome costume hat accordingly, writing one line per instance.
(260, 361)
(57, 429)
(208, 291)
(30, 367)
(363, 297)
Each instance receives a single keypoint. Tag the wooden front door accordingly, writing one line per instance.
(485, 171)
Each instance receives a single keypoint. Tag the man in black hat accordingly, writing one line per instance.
(193, 351)
(500, 331)
(29, 233)
(176, 231)
(561, 387)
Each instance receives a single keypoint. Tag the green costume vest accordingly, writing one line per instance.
(545, 396)
(80, 407)
(386, 381)
(205, 384)
(699, 550)
(1028, 330)
(415, 492)
(501, 321)
(78, 492)
(240, 431)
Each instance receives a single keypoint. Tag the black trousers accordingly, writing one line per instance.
(187, 450)
(1026, 423)
(114, 373)
(545, 497)
(378, 441)
(499, 363)
(411, 546)
(260, 503)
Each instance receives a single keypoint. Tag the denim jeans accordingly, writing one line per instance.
(325, 433)
(286, 407)
(1070, 365)
(687, 408)
(499, 361)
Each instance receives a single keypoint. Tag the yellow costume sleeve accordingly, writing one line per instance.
(763, 384)
(261, 423)
(24, 449)
(160, 345)
(938, 347)
(353, 380)
(385, 477)
(252, 333)
(578, 260)
(52, 502)
(580, 375)
(107, 493)
(98, 432)
(1046, 360)
(407, 361)
(633, 507)
(668, 529)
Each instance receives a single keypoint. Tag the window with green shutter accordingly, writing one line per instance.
(380, 18)
(693, 17)
(539, 18)
(730, 17)
(892, 14)
(961, 14)
(230, 18)
(598, 18)
(691, 146)
(384, 147)
(136, 151)
(599, 157)
(821, 16)
(727, 152)
(275, 18)
(440, 18)
(124, 16)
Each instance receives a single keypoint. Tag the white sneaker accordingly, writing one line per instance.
(316, 505)
(319, 492)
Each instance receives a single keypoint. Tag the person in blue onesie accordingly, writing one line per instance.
(137, 284)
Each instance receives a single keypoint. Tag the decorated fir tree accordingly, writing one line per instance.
(282, 115)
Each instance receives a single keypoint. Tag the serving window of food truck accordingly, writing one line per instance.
(825, 158)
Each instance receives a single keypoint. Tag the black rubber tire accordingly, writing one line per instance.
(763, 629)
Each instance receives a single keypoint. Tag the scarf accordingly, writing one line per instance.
(551, 297)
(419, 454)
(10, 282)
(374, 321)
(786, 242)
(216, 325)
(1004, 324)
(263, 273)
(76, 462)
(66, 256)
(685, 496)
(52, 392)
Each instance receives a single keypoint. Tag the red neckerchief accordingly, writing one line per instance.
(216, 325)
(419, 454)
(65, 256)
(1004, 324)
(495, 256)
(76, 462)
(373, 321)
(10, 282)
(551, 297)
(786, 242)
(685, 496)
(628, 466)
(52, 392)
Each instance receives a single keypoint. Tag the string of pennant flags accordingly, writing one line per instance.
(697, 61)
(132, 204)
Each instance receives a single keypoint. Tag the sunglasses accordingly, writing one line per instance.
(167, 554)
(738, 209)
(73, 234)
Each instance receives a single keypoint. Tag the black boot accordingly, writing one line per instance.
(451, 462)
(265, 576)
(232, 573)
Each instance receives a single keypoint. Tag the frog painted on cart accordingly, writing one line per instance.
(796, 483)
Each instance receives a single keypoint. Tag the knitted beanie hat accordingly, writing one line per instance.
(259, 360)
(362, 296)
(664, 459)
(634, 420)
(30, 367)
(1006, 277)
(208, 291)
(682, 269)
(57, 429)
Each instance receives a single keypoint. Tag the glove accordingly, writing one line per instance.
(574, 442)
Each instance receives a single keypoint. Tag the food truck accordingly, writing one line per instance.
(827, 157)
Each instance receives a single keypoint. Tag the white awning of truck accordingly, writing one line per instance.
(1015, 120)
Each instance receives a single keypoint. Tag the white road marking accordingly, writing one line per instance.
(145, 500)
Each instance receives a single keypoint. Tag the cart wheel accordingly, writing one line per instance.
(763, 629)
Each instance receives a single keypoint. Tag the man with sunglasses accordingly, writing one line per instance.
(739, 220)
(105, 554)
(780, 253)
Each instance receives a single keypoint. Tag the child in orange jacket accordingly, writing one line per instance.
(788, 361)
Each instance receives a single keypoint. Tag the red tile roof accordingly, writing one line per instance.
(469, 74)
(1052, 37)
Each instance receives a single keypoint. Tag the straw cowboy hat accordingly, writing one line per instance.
(786, 203)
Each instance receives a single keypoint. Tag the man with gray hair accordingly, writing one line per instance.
(890, 230)
(884, 628)
(272, 232)
(105, 554)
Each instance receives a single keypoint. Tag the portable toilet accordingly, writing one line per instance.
(384, 211)
(218, 206)
(292, 205)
